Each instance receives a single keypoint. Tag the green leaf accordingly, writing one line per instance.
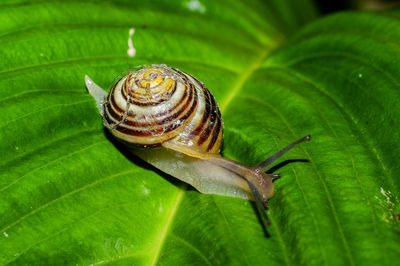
(70, 195)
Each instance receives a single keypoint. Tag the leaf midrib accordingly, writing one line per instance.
(168, 223)
(236, 88)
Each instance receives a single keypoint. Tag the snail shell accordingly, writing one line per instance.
(159, 105)
(171, 120)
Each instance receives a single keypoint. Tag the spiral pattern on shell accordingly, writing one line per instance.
(160, 105)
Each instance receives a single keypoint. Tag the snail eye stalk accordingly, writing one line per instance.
(267, 162)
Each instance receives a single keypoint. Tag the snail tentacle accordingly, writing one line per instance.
(276, 176)
(267, 162)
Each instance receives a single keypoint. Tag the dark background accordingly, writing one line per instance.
(330, 6)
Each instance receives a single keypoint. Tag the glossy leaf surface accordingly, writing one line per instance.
(70, 195)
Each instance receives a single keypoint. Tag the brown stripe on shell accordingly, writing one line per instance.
(206, 115)
(163, 97)
(142, 96)
(141, 133)
(214, 126)
(154, 131)
(184, 96)
(215, 132)
(143, 99)
(207, 131)
(169, 118)
(112, 102)
(187, 101)
(190, 112)
(210, 105)
(145, 133)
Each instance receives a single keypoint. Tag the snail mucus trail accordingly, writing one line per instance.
(177, 119)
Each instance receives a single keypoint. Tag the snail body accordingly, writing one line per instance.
(171, 120)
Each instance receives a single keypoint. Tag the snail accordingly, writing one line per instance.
(171, 120)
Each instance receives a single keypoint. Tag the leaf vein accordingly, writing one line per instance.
(20, 94)
(190, 246)
(42, 110)
(345, 55)
(66, 195)
(50, 163)
(228, 227)
(65, 228)
(37, 148)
